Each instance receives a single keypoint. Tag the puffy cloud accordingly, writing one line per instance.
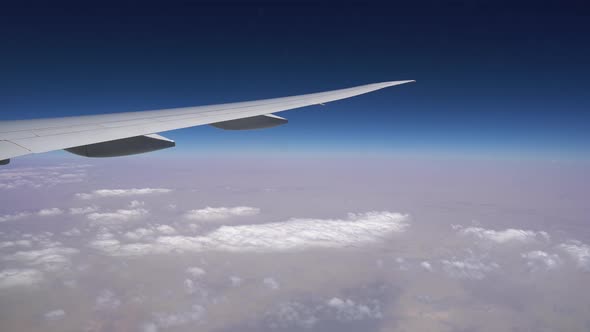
(168, 320)
(189, 286)
(293, 314)
(165, 229)
(50, 212)
(10, 244)
(304, 233)
(426, 266)
(139, 234)
(101, 193)
(470, 268)
(38, 177)
(55, 315)
(108, 246)
(83, 210)
(120, 215)
(195, 272)
(537, 259)
(19, 277)
(294, 234)
(53, 258)
(271, 283)
(16, 216)
(505, 236)
(135, 204)
(24, 214)
(148, 232)
(579, 252)
(348, 310)
(72, 232)
(221, 213)
(107, 300)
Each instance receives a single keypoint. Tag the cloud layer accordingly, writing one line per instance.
(221, 213)
(294, 234)
(101, 193)
(509, 235)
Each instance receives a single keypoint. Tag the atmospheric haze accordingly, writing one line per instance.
(280, 244)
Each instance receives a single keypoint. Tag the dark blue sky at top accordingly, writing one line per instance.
(493, 78)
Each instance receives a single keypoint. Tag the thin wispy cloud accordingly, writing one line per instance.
(19, 277)
(102, 193)
(50, 259)
(48, 212)
(503, 236)
(468, 268)
(120, 215)
(42, 176)
(15, 216)
(221, 213)
(83, 210)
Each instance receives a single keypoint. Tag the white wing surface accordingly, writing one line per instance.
(131, 132)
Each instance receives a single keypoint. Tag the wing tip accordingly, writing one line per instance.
(392, 83)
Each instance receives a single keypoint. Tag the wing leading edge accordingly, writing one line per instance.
(22, 137)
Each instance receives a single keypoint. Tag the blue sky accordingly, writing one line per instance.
(493, 79)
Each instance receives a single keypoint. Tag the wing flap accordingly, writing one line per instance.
(255, 122)
(123, 147)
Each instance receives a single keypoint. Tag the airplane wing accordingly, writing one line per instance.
(118, 134)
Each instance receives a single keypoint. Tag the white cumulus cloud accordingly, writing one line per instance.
(539, 259)
(120, 215)
(294, 234)
(122, 192)
(579, 252)
(83, 210)
(55, 314)
(169, 320)
(195, 272)
(139, 234)
(165, 229)
(348, 310)
(15, 216)
(50, 212)
(38, 177)
(19, 277)
(52, 258)
(293, 314)
(271, 283)
(470, 268)
(107, 300)
(221, 213)
(504, 236)
(426, 266)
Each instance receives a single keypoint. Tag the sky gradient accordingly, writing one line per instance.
(493, 79)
